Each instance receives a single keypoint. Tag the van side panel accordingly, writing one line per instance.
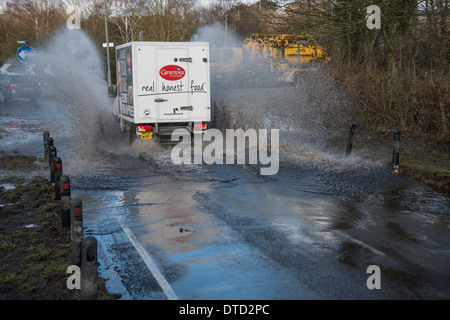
(125, 90)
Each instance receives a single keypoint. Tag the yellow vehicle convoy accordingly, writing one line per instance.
(226, 64)
(288, 55)
(266, 58)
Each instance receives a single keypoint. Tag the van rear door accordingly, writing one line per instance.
(172, 91)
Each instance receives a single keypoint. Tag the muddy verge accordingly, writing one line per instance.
(34, 247)
(426, 160)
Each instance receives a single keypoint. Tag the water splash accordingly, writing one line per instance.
(308, 114)
(72, 71)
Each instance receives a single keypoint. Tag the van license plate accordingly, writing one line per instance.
(146, 135)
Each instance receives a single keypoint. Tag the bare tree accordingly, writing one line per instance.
(170, 20)
(127, 15)
(29, 20)
(33, 17)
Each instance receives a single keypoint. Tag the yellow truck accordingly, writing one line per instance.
(288, 55)
(266, 58)
(226, 65)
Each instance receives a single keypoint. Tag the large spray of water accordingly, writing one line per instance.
(302, 113)
(72, 72)
(308, 114)
(77, 76)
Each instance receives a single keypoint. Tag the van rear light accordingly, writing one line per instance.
(144, 129)
(200, 126)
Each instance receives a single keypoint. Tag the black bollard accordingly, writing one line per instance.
(57, 176)
(46, 135)
(348, 150)
(52, 153)
(64, 186)
(47, 150)
(65, 212)
(64, 190)
(89, 269)
(51, 162)
(76, 229)
(396, 151)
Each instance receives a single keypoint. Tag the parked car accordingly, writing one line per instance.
(15, 85)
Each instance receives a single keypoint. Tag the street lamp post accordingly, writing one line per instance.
(107, 46)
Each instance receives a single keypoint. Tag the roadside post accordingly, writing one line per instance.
(46, 135)
(76, 230)
(396, 151)
(57, 176)
(47, 150)
(348, 150)
(64, 189)
(51, 161)
(89, 269)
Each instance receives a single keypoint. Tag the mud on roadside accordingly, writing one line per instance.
(34, 247)
(426, 160)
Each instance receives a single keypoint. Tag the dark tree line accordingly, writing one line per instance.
(398, 74)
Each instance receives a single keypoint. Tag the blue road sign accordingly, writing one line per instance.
(25, 53)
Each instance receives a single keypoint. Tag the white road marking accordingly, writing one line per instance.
(362, 244)
(165, 286)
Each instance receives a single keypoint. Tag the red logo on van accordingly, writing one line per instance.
(172, 72)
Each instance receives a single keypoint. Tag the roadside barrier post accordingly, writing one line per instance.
(76, 229)
(348, 150)
(57, 176)
(47, 150)
(89, 269)
(46, 135)
(396, 151)
(64, 190)
(51, 161)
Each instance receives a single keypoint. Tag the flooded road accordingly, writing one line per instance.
(206, 232)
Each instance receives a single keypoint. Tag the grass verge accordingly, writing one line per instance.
(34, 247)
(426, 160)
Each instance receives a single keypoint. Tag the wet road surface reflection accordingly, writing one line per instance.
(225, 232)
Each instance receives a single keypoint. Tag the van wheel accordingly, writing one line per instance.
(131, 134)
(124, 126)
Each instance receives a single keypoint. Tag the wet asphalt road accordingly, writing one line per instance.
(206, 232)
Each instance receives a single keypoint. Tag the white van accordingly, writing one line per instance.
(162, 86)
